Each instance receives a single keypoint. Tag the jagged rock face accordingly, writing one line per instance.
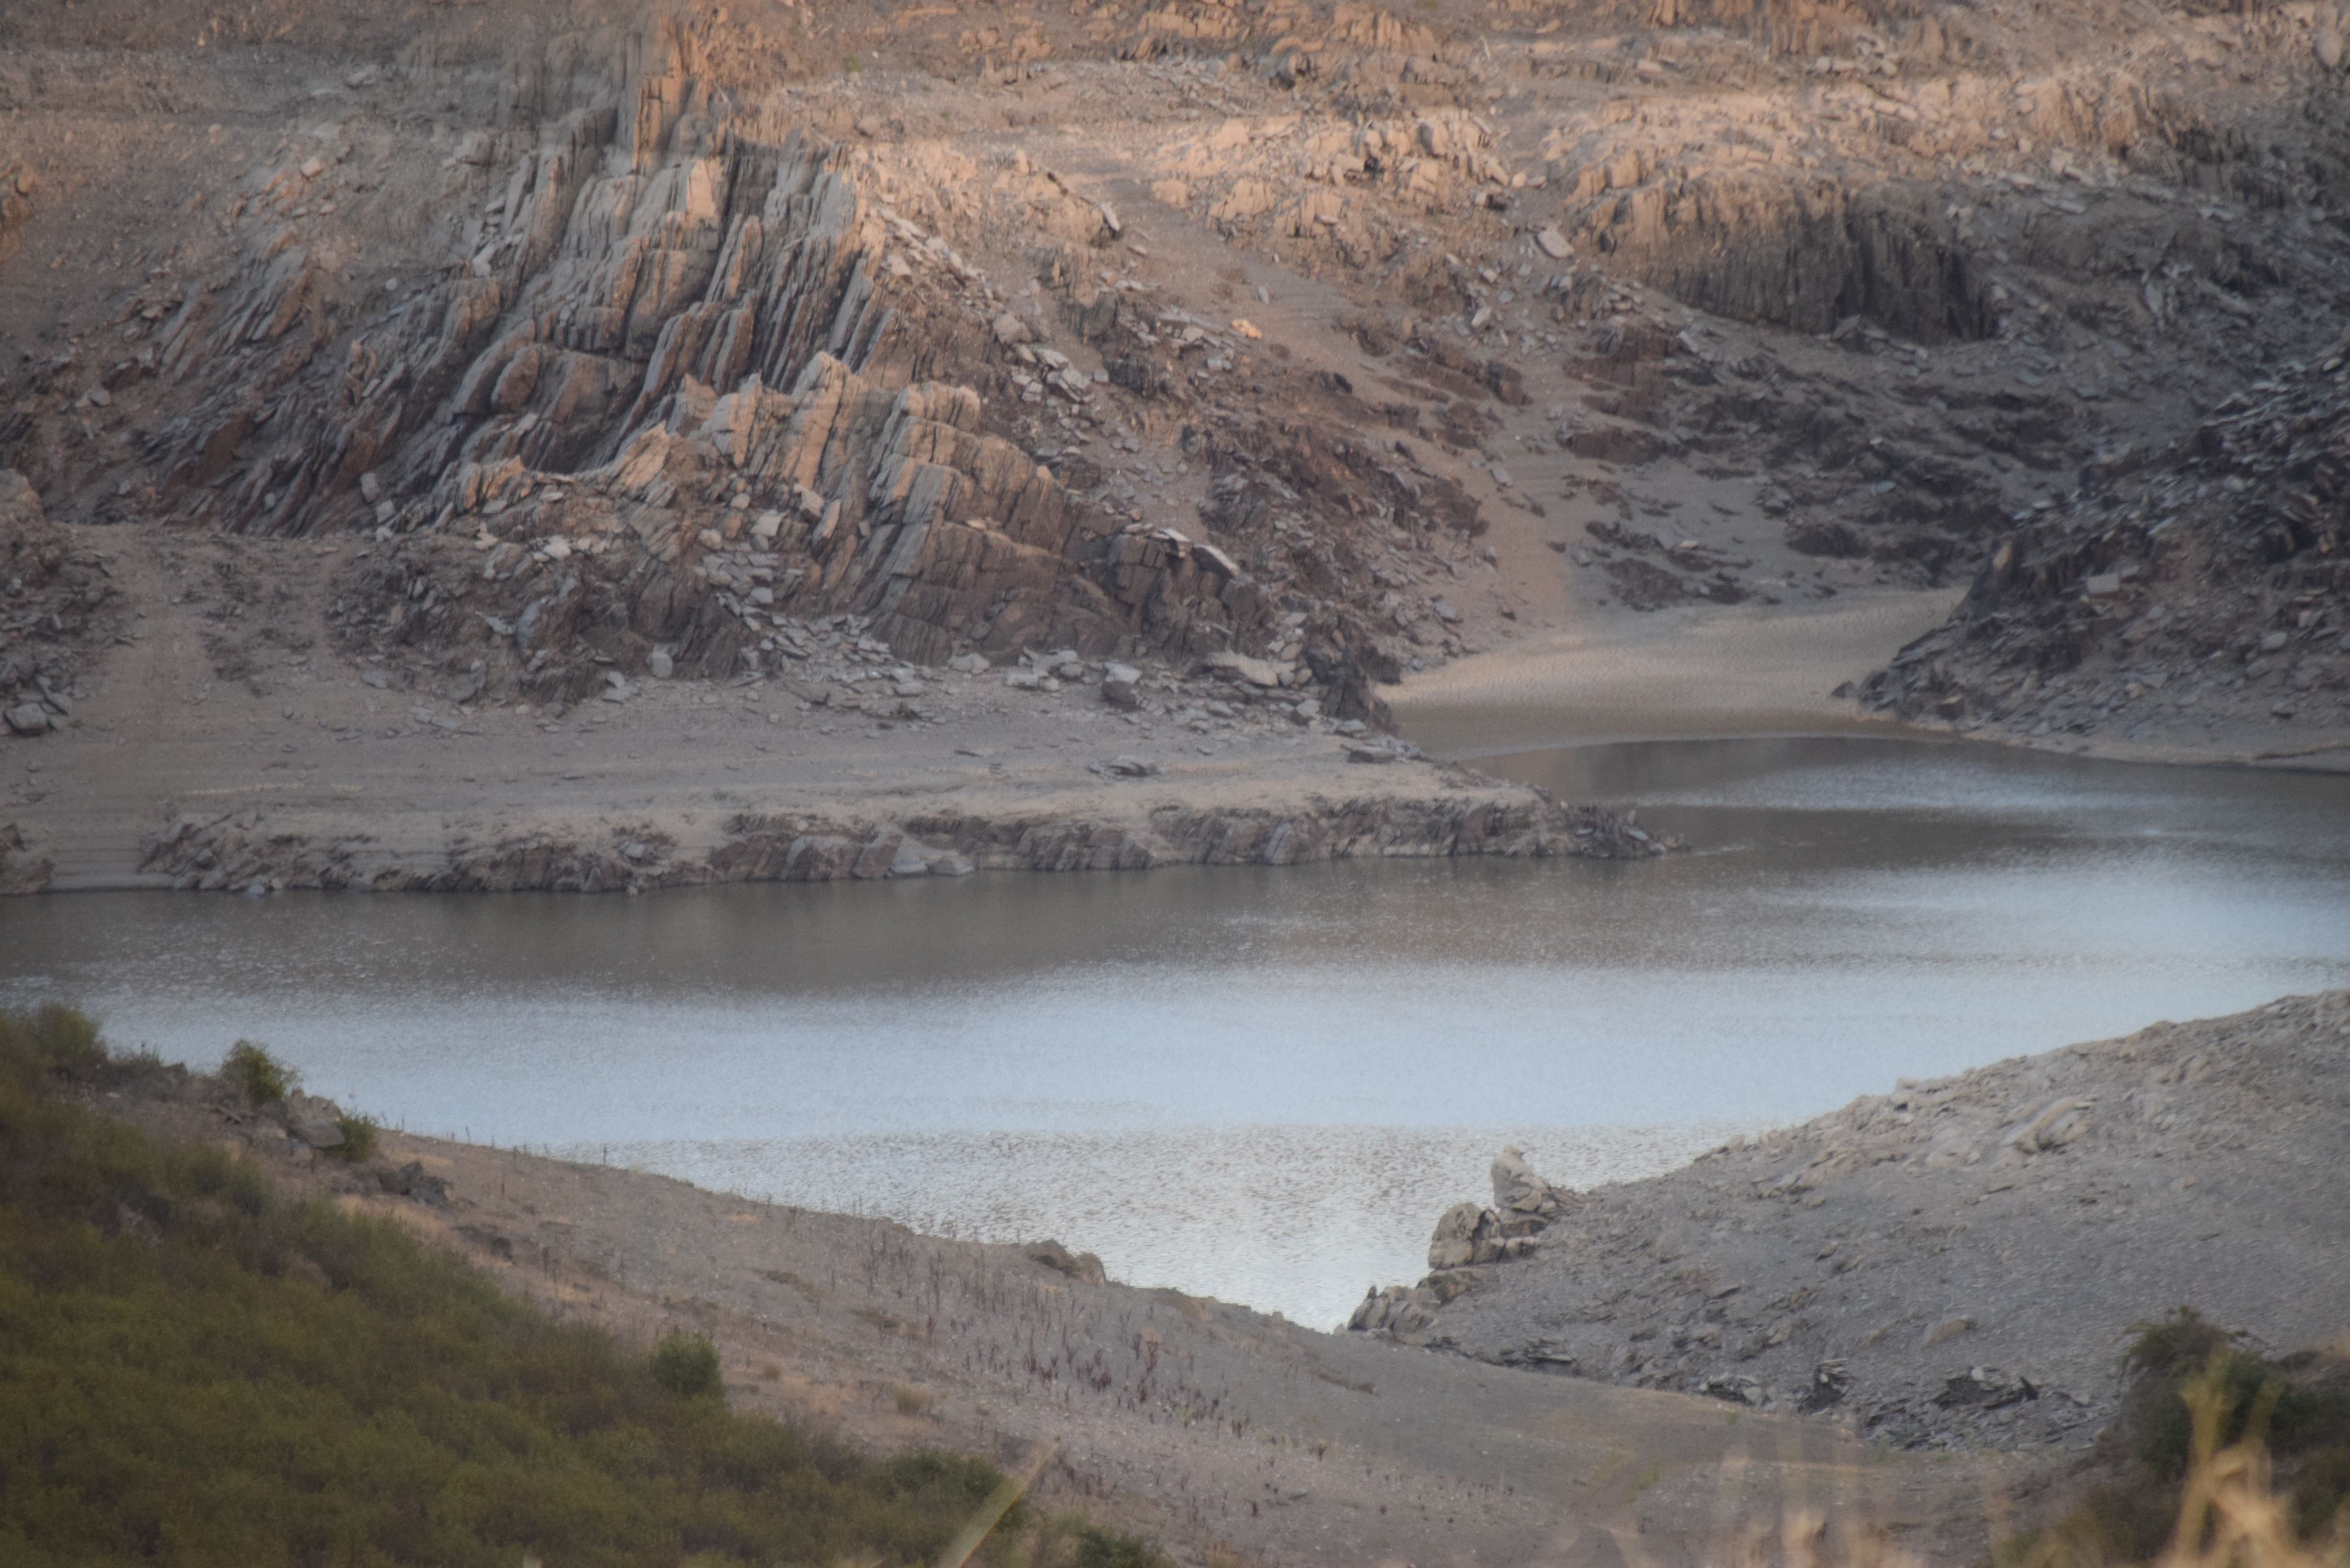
(2233, 546)
(563, 402)
(1728, 203)
(734, 513)
(1803, 256)
(663, 406)
(671, 401)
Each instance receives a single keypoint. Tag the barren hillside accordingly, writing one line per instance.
(1952, 1262)
(1331, 342)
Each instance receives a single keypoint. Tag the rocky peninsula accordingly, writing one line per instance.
(1955, 1262)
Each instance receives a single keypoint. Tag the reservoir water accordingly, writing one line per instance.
(1263, 1085)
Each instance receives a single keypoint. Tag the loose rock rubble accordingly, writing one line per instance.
(57, 600)
(237, 852)
(1957, 1261)
(2201, 585)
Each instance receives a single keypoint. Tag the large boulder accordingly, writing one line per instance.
(1455, 1241)
(1518, 1190)
(1121, 685)
(21, 871)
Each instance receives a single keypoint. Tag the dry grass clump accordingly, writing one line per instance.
(2219, 1457)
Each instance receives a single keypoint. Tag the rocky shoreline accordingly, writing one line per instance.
(1953, 1263)
(233, 853)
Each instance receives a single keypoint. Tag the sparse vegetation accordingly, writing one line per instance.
(61, 1042)
(687, 1366)
(1099, 1548)
(200, 1370)
(2209, 1429)
(359, 1140)
(1071, 1541)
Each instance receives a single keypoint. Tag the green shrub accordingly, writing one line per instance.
(2249, 1389)
(1101, 1548)
(1073, 1541)
(53, 1041)
(687, 1366)
(68, 1039)
(358, 1138)
(259, 1077)
(2175, 1346)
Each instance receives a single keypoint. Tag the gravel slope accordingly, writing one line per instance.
(1954, 1262)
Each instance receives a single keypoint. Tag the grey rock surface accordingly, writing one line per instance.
(1956, 1261)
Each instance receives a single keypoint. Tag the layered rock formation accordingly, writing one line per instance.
(674, 383)
(235, 851)
(662, 405)
(641, 341)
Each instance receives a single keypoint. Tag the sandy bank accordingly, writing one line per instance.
(307, 769)
(1208, 1425)
(1676, 674)
(1705, 673)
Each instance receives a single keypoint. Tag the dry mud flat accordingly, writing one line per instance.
(1955, 1262)
(297, 768)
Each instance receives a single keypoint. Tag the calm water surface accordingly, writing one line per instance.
(1263, 1085)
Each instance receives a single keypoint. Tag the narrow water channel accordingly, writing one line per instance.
(1263, 1085)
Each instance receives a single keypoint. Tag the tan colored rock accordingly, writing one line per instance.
(1454, 1243)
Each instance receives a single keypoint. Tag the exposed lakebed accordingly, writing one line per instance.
(1263, 1083)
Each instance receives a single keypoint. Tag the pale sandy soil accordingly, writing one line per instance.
(1677, 673)
(303, 747)
(1704, 671)
(1205, 1425)
(310, 750)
